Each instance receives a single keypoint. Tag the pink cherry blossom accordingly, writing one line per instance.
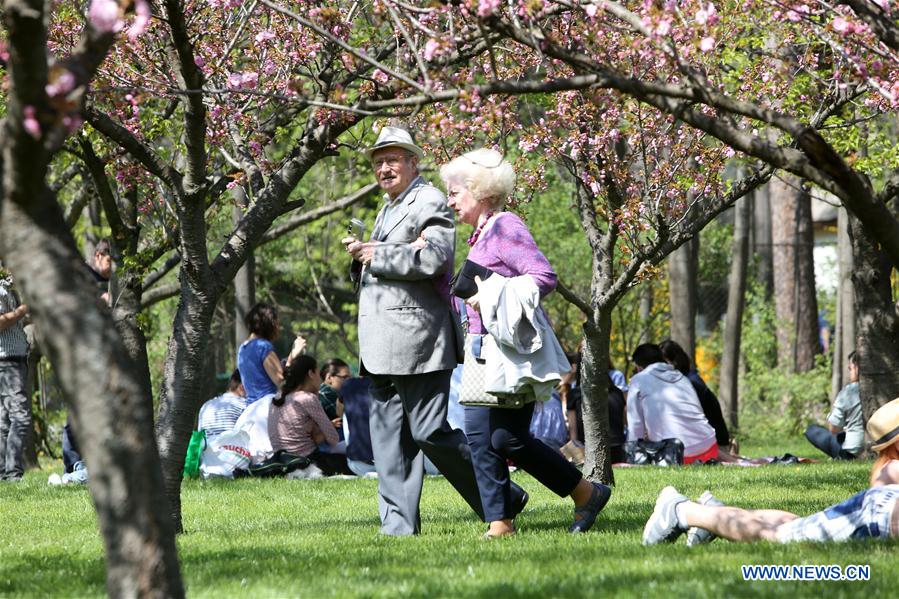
(707, 44)
(61, 85)
(380, 76)
(841, 25)
(707, 15)
(105, 16)
(487, 7)
(431, 48)
(264, 36)
(663, 28)
(30, 122)
(246, 80)
(141, 21)
(591, 10)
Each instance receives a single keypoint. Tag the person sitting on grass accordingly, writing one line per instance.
(676, 356)
(259, 365)
(334, 374)
(661, 404)
(870, 514)
(846, 437)
(297, 418)
(220, 414)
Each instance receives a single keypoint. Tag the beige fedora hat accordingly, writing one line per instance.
(883, 427)
(397, 137)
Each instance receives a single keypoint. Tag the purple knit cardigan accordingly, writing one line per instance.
(508, 249)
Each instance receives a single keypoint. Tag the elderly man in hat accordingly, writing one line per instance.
(409, 338)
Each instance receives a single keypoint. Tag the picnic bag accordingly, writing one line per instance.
(667, 452)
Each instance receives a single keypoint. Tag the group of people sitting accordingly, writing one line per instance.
(666, 399)
(295, 406)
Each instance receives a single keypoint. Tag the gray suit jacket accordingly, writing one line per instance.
(406, 324)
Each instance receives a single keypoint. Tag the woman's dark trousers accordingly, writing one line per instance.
(496, 435)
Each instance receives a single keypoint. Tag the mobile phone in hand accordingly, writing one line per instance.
(356, 228)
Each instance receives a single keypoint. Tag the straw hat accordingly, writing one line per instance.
(394, 137)
(883, 427)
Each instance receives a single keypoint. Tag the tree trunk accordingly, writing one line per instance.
(761, 228)
(646, 299)
(795, 303)
(126, 290)
(103, 392)
(683, 273)
(733, 326)
(182, 388)
(877, 321)
(244, 288)
(844, 334)
(595, 395)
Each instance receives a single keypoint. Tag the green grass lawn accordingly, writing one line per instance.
(279, 538)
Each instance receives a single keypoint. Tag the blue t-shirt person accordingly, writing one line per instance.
(250, 359)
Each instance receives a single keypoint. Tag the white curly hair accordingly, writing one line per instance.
(484, 172)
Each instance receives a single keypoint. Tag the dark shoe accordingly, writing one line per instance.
(522, 502)
(585, 516)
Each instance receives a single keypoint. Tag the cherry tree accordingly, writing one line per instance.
(807, 87)
(43, 96)
(217, 99)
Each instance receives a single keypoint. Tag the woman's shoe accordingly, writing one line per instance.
(585, 516)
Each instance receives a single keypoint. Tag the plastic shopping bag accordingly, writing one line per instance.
(225, 454)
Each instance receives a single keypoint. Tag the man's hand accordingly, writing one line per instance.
(363, 252)
(337, 422)
(420, 243)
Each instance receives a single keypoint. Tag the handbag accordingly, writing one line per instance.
(667, 452)
(463, 284)
(474, 377)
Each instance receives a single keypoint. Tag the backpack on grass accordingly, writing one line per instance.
(279, 464)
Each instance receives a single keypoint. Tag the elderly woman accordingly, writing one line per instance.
(478, 184)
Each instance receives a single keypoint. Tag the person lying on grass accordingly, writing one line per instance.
(870, 514)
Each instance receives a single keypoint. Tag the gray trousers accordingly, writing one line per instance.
(408, 417)
(15, 419)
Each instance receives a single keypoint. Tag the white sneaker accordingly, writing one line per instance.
(662, 525)
(700, 536)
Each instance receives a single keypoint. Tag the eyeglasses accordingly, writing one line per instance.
(391, 161)
(341, 376)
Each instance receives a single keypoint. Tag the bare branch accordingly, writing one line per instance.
(158, 294)
(138, 150)
(298, 220)
(574, 299)
(65, 177)
(154, 277)
(342, 44)
(190, 77)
